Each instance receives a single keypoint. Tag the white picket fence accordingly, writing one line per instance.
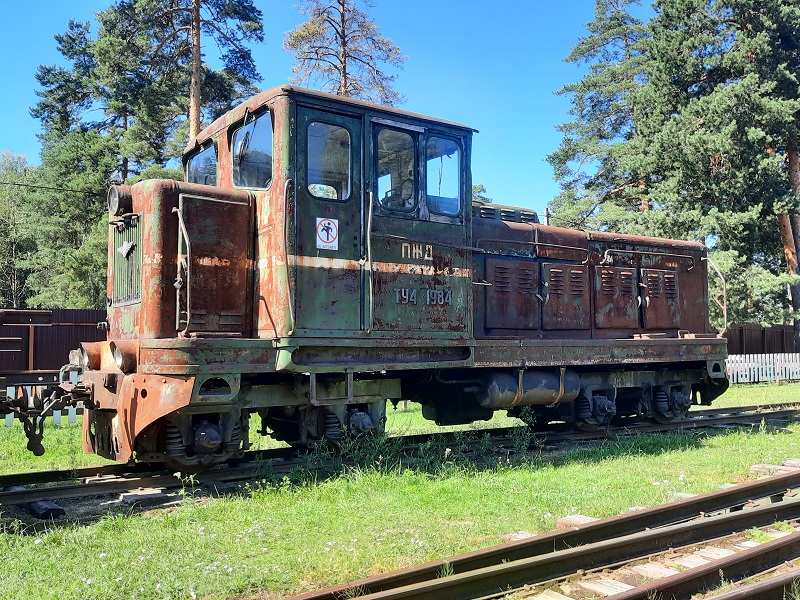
(755, 368)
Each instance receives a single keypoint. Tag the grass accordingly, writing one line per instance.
(312, 529)
(757, 393)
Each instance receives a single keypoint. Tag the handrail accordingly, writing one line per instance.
(724, 304)
(179, 282)
(534, 244)
(607, 255)
(290, 304)
(371, 304)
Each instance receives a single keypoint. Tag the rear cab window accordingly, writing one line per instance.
(443, 176)
(252, 153)
(202, 167)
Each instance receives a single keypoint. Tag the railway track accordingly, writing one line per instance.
(669, 551)
(24, 488)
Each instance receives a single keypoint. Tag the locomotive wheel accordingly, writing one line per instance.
(162, 444)
(586, 426)
(662, 419)
(178, 464)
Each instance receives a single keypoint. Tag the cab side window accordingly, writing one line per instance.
(252, 153)
(328, 161)
(443, 171)
(395, 170)
(202, 167)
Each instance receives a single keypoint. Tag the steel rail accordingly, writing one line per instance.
(706, 577)
(775, 587)
(562, 563)
(117, 470)
(115, 485)
(144, 475)
(596, 532)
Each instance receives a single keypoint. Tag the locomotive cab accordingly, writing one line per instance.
(323, 256)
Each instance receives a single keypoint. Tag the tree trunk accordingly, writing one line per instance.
(790, 252)
(793, 160)
(343, 83)
(197, 73)
(125, 164)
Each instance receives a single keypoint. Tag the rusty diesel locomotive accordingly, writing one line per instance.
(324, 256)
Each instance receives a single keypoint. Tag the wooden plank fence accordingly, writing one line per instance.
(755, 368)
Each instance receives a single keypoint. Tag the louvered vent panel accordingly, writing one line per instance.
(127, 262)
(670, 288)
(577, 285)
(654, 285)
(525, 281)
(502, 279)
(607, 282)
(504, 213)
(626, 283)
(556, 281)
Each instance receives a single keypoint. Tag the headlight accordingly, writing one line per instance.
(120, 200)
(90, 355)
(124, 354)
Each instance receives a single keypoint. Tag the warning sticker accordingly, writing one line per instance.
(328, 234)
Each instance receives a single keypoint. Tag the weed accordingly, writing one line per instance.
(783, 526)
(446, 570)
(188, 491)
(521, 438)
(757, 535)
(353, 592)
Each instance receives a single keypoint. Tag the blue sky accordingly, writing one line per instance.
(492, 65)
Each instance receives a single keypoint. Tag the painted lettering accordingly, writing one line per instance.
(416, 251)
(442, 297)
(405, 295)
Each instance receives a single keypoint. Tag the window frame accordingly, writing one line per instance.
(414, 134)
(350, 163)
(204, 147)
(460, 168)
(247, 120)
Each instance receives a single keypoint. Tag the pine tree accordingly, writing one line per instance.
(722, 112)
(341, 49)
(178, 28)
(595, 161)
(17, 237)
(708, 140)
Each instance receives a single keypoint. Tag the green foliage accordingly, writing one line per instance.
(479, 194)
(17, 233)
(595, 163)
(156, 172)
(135, 73)
(684, 128)
(68, 265)
(341, 48)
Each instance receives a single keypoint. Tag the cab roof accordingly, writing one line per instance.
(255, 102)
